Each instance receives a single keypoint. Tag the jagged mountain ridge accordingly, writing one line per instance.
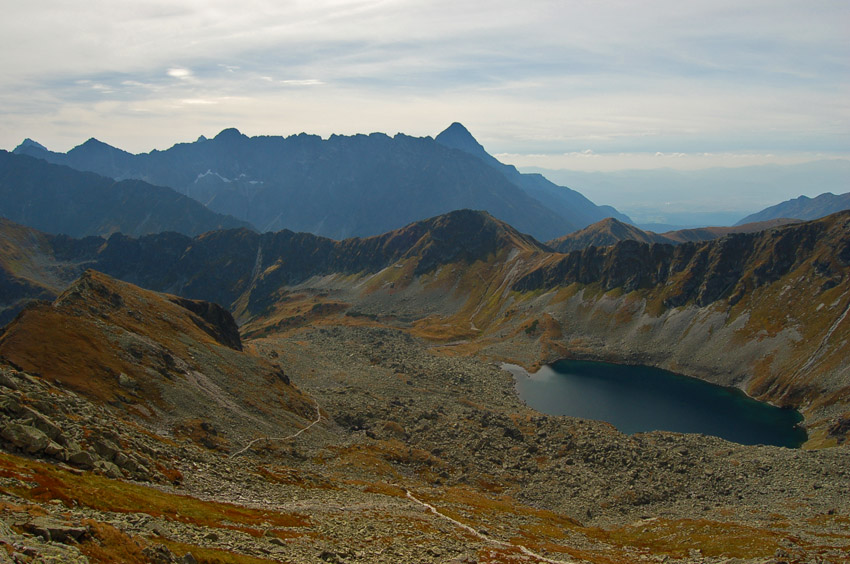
(709, 233)
(344, 186)
(59, 199)
(222, 266)
(803, 208)
(701, 272)
(610, 231)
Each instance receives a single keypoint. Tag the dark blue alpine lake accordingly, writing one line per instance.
(639, 398)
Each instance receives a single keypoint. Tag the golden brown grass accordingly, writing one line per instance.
(44, 482)
(712, 538)
(108, 544)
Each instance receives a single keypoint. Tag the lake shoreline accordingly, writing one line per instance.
(640, 398)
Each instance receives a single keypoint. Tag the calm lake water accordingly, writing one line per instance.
(639, 398)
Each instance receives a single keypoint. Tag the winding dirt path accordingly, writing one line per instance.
(292, 436)
(484, 537)
(416, 500)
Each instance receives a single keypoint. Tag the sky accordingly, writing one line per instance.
(564, 84)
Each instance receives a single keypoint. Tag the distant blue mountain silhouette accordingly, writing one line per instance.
(343, 186)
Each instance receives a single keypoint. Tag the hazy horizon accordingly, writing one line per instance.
(662, 82)
(603, 86)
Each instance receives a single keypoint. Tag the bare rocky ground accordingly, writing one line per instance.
(415, 457)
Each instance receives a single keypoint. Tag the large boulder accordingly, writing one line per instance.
(29, 439)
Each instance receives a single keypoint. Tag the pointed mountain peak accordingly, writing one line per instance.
(229, 133)
(463, 234)
(456, 136)
(29, 144)
(92, 142)
(603, 233)
(608, 221)
(95, 147)
(457, 129)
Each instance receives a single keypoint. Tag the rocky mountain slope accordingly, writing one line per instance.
(58, 199)
(803, 208)
(410, 453)
(242, 269)
(340, 187)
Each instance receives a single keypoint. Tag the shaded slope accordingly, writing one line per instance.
(573, 206)
(803, 208)
(704, 272)
(341, 187)
(28, 269)
(58, 199)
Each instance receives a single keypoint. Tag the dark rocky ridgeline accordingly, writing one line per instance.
(576, 208)
(220, 266)
(709, 271)
(361, 185)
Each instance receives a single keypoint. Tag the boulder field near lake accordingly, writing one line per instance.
(359, 411)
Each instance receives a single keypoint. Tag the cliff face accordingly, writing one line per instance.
(706, 272)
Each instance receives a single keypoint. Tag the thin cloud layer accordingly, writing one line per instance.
(546, 77)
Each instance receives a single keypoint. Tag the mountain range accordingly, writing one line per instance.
(803, 208)
(59, 199)
(343, 186)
